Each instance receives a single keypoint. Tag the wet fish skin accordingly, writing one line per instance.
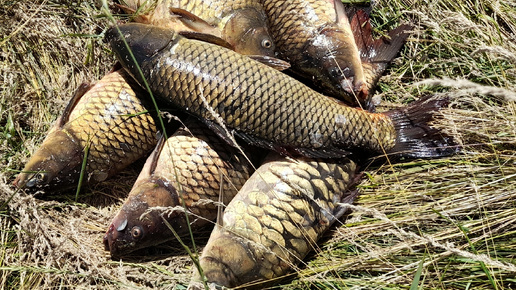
(266, 107)
(316, 38)
(205, 167)
(108, 120)
(275, 220)
(242, 23)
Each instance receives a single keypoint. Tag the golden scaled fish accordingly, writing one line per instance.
(275, 220)
(106, 121)
(209, 174)
(266, 107)
(320, 42)
(240, 24)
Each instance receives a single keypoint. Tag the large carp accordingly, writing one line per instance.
(107, 122)
(325, 46)
(266, 107)
(240, 23)
(275, 220)
(193, 171)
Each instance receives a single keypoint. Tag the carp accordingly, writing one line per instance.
(106, 121)
(327, 47)
(265, 107)
(275, 220)
(193, 171)
(239, 24)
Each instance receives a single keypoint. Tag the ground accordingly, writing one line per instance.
(445, 223)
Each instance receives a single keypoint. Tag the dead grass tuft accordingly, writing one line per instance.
(454, 216)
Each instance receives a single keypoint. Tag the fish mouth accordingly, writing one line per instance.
(358, 91)
(108, 238)
(115, 238)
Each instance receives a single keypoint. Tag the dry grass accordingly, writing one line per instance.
(453, 219)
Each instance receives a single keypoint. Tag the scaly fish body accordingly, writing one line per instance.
(108, 122)
(208, 172)
(315, 36)
(241, 23)
(261, 104)
(276, 219)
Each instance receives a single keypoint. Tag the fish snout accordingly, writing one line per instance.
(358, 90)
(30, 180)
(108, 238)
(144, 41)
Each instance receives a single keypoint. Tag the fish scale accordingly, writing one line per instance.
(178, 66)
(107, 120)
(330, 46)
(193, 167)
(276, 219)
(89, 127)
(201, 79)
(301, 19)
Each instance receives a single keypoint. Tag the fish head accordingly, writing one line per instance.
(248, 33)
(56, 162)
(143, 40)
(141, 221)
(338, 65)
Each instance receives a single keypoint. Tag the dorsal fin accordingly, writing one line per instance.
(81, 90)
(152, 161)
(210, 38)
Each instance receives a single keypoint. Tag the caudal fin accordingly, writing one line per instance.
(376, 54)
(416, 138)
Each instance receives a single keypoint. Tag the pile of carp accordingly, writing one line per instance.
(283, 86)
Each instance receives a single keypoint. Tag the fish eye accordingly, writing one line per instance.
(41, 177)
(38, 178)
(266, 43)
(136, 232)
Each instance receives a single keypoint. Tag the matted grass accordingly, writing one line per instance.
(446, 223)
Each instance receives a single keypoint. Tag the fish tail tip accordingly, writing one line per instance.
(415, 137)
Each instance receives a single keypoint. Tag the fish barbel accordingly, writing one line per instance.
(240, 23)
(275, 220)
(264, 106)
(105, 120)
(193, 168)
(325, 46)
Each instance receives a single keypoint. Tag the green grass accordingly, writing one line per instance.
(431, 224)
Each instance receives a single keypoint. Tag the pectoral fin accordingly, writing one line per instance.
(194, 22)
(273, 62)
(210, 38)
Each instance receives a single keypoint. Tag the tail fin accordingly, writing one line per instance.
(416, 139)
(375, 54)
(382, 50)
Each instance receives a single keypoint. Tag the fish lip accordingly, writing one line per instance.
(108, 237)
